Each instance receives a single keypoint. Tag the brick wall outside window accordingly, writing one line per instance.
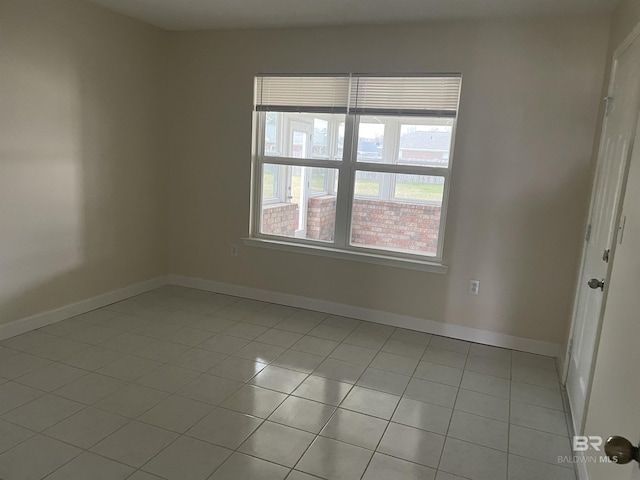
(321, 218)
(407, 226)
(280, 219)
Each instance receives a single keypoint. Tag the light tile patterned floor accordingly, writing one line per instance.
(182, 384)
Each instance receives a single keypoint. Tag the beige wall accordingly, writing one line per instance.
(613, 405)
(81, 170)
(625, 18)
(86, 129)
(521, 170)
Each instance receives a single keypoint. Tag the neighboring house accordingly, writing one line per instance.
(371, 150)
(425, 145)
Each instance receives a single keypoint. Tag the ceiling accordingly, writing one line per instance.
(209, 14)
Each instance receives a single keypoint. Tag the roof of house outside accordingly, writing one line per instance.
(426, 140)
(368, 147)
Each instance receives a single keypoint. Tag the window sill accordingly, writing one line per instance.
(354, 256)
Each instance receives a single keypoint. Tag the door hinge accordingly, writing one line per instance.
(570, 348)
(587, 235)
(608, 105)
(623, 221)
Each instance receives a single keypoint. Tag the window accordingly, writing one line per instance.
(356, 163)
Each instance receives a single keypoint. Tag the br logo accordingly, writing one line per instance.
(583, 443)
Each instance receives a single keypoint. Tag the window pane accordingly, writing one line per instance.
(302, 135)
(426, 142)
(368, 184)
(405, 216)
(340, 150)
(371, 133)
(320, 137)
(270, 182)
(305, 206)
(319, 181)
(422, 141)
(417, 188)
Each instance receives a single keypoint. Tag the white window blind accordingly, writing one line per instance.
(302, 93)
(435, 95)
(427, 95)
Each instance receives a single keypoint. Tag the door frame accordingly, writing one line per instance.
(631, 38)
(306, 129)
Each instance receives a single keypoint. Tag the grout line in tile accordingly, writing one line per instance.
(392, 414)
(289, 314)
(562, 465)
(339, 405)
(453, 409)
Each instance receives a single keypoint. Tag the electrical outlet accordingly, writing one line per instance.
(234, 250)
(474, 287)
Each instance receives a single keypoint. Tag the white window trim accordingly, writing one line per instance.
(347, 167)
(376, 258)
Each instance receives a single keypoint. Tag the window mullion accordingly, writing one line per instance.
(302, 162)
(406, 169)
(345, 182)
(392, 134)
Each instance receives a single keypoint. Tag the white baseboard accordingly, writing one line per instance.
(560, 366)
(580, 467)
(438, 328)
(377, 316)
(43, 319)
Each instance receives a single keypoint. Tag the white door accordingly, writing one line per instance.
(617, 138)
(615, 391)
(298, 177)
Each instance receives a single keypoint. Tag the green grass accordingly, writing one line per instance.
(317, 183)
(404, 190)
(267, 184)
(364, 186)
(419, 191)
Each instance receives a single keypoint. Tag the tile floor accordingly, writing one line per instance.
(181, 384)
